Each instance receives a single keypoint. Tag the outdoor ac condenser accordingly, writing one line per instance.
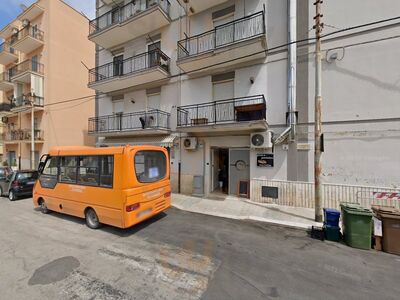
(261, 140)
(190, 143)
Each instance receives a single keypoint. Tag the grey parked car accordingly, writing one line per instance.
(17, 184)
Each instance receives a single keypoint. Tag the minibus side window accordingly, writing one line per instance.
(150, 166)
(88, 170)
(68, 169)
(106, 170)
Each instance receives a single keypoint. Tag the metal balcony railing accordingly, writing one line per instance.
(5, 107)
(138, 63)
(223, 35)
(6, 47)
(22, 135)
(124, 122)
(6, 76)
(31, 31)
(27, 100)
(242, 109)
(27, 66)
(121, 14)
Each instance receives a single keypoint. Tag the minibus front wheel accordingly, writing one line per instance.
(92, 220)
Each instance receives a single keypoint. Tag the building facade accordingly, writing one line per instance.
(41, 55)
(217, 83)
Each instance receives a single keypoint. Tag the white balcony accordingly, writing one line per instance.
(135, 71)
(142, 123)
(28, 39)
(31, 13)
(8, 54)
(227, 45)
(195, 6)
(245, 114)
(128, 22)
(24, 71)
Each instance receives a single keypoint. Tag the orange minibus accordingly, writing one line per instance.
(118, 186)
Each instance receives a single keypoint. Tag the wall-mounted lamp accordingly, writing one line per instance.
(133, 101)
(252, 80)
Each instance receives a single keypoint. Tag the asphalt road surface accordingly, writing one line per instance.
(180, 255)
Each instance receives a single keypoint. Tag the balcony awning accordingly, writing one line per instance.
(162, 141)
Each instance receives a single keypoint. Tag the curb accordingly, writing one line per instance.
(294, 225)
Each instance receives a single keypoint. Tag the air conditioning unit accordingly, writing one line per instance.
(261, 140)
(190, 143)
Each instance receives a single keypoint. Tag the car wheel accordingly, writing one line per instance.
(43, 207)
(11, 196)
(1, 192)
(92, 220)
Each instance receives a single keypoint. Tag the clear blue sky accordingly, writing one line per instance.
(9, 9)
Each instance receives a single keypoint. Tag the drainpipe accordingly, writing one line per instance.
(292, 68)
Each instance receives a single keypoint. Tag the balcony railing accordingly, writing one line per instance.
(27, 66)
(125, 122)
(124, 13)
(22, 135)
(138, 63)
(27, 100)
(31, 31)
(6, 76)
(6, 47)
(223, 35)
(5, 107)
(251, 108)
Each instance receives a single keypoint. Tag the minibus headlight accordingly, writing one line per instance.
(132, 207)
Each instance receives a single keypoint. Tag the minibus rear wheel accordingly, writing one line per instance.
(92, 220)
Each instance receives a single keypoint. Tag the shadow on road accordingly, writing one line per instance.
(110, 229)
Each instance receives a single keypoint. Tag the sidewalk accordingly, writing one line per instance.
(243, 209)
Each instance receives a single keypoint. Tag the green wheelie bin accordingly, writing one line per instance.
(357, 225)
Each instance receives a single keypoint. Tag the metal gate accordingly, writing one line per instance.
(239, 169)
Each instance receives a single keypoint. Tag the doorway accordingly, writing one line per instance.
(220, 170)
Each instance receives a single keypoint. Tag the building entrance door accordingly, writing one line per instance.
(239, 169)
(219, 170)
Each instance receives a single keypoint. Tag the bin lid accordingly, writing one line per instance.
(357, 210)
(349, 205)
(384, 209)
(332, 211)
(395, 216)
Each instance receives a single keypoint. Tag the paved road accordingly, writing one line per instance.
(180, 255)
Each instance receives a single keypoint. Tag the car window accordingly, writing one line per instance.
(27, 176)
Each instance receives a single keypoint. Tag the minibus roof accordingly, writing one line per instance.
(83, 150)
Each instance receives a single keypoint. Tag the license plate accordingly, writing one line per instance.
(144, 213)
(30, 183)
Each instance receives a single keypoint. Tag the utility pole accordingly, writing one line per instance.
(32, 102)
(318, 141)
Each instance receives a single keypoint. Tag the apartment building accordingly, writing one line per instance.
(218, 85)
(41, 56)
